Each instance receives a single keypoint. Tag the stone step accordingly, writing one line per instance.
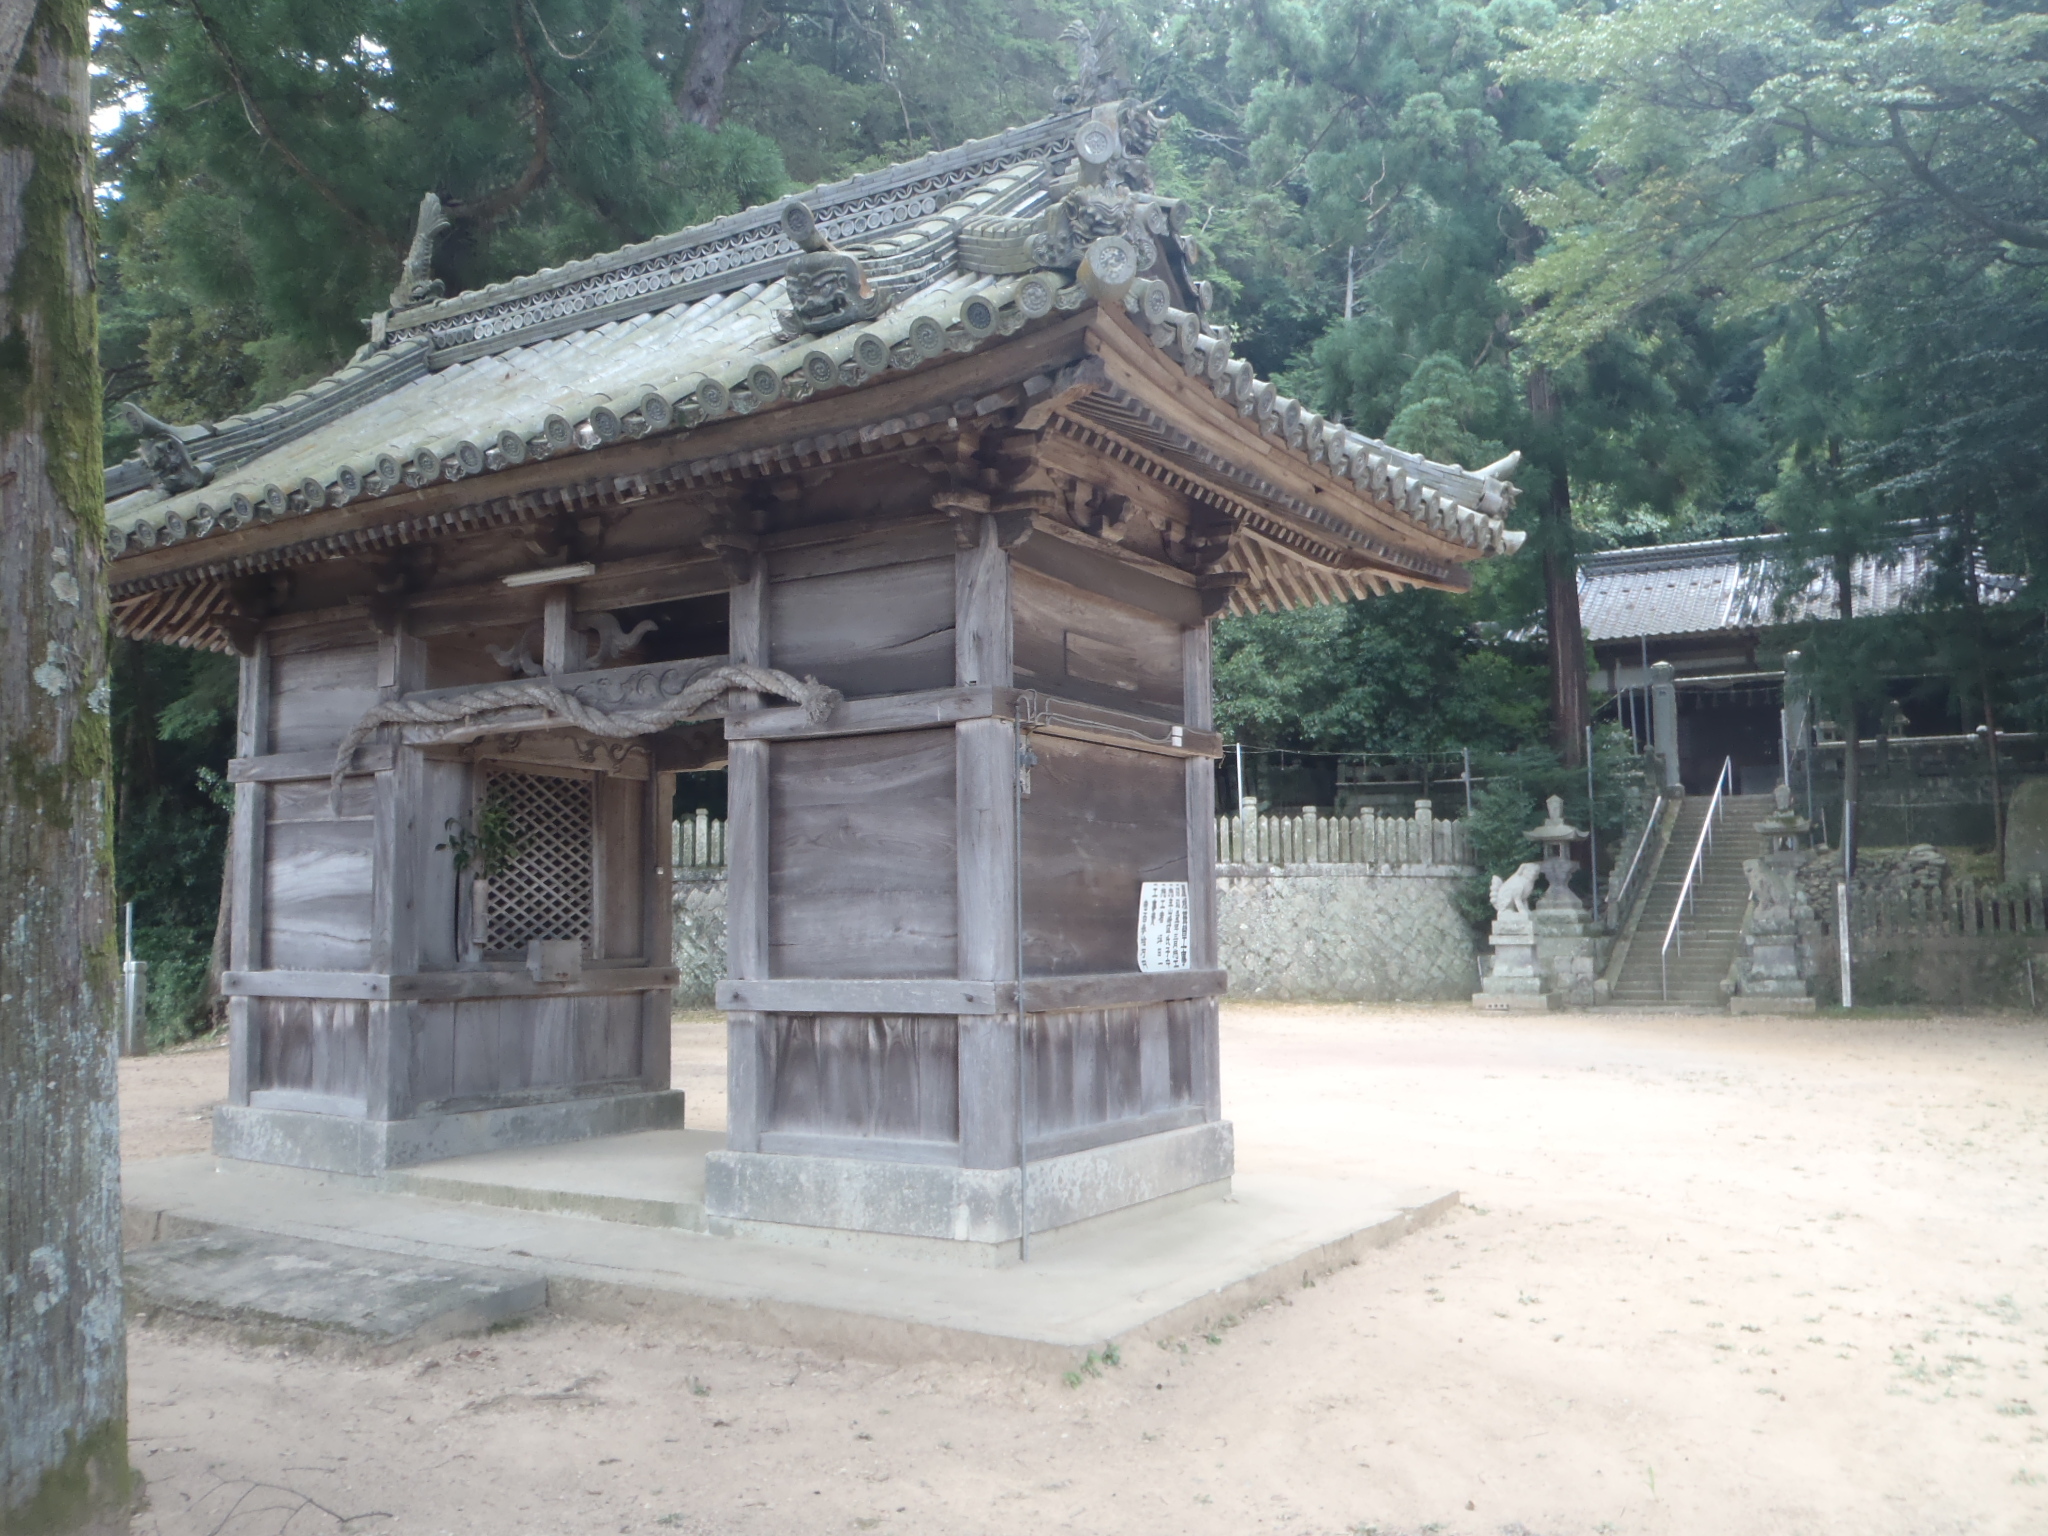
(265, 1288)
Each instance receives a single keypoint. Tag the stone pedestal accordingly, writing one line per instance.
(1770, 973)
(1572, 951)
(1518, 979)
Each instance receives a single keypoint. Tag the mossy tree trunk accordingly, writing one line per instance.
(63, 1365)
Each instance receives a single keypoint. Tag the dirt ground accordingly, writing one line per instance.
(1712, 1276)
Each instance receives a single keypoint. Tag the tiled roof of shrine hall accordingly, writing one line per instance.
(1716, 586)
(950, 253)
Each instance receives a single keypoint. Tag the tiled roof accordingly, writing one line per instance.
(662, 337)
(1724, 585)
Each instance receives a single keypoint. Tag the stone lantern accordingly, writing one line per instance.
(1556, 835)
(1769, 974)
(1552, 955)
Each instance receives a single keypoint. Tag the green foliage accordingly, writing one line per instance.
(489, 847)
(173, 726)
(261, 195)
(1400, 674)
(1859, 189)
(1512, 800)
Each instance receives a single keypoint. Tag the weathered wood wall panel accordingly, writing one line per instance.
(864, 1075)
(860, 858)
(1079, 646)
(310, 1047)
(887, 630)
(499, 1049)
(464, 659)
(1099, 822)
(1085, 1068)
(318, 878)
(1095, 1074)
(623, 856)
(445, 795)
(321, 683)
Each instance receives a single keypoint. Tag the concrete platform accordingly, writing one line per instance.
(265, 1288)
(647, 1178)
(592, 1221)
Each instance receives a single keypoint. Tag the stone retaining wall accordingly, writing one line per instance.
(1336, 933)
(1345, 933)
(699, 938)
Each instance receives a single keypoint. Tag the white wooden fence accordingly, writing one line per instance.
(1256, 837)
(1261, 838)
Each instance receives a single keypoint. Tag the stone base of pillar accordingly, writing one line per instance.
(780, 1195)
(339, 1143)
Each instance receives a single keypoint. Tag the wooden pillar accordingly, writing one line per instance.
(746, 877)
(246, 840)
(985, 792)
(395, 912)
(657, 909)
(1201, 813)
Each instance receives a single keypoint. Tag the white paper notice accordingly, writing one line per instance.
(1163, 926)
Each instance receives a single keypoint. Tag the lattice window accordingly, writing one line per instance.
(545, 890)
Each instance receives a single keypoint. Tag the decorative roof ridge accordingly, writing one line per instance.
(733, 247)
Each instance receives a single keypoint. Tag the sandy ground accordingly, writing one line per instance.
(1713, 1276)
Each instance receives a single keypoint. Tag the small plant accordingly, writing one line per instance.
(1111, 1355)
(698, 1388)
(490, 848)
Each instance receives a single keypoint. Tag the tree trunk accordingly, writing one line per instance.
(718, 36)
(1569, 715)
(1568, 707)
(63, 1366)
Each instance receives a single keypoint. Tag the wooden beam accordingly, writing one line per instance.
(443, 986)
(869, 1149)
(288, 767)
(967, 997)
(947, 706)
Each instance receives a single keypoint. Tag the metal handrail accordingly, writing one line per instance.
(1692, 870)
(1623, 896)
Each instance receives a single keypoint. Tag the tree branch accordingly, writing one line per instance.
(260, 124)
(2003, 229)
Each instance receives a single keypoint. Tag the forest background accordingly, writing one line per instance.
(1716, 267)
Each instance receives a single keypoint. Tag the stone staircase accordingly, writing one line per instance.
(1711, 929)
